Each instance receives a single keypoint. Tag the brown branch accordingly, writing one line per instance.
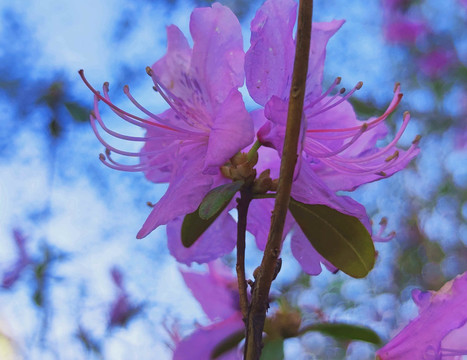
(242, 208)
(265, 275)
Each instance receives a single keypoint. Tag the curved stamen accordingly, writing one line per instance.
(336, 82)
(126, 90)
(116, 108)
(327, 107)
(391, 107)
(341, 149)
(381, 151)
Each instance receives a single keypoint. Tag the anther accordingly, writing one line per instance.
(149, 71)
(341, 91)
(364, 127)
(384, 221)
(155, 89)
(393, 156)
(381, 173)
(150, 204)
(338, 80)
(396, 86)
(359, 85)
(126, 89)
(106, 86)
(101, 157)
(107, 152)
(417, 139)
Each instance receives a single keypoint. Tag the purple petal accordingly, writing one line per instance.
(200, 344)
(215, 291)
(259, 221)
(429, 334)
(310, 189)
(186, 191)
(320, 35)
(310, 260)
(218, 56)
(232, 131)
(175, 63)
(218, 240)
(269, 61)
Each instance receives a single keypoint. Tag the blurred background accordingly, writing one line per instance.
(66, 220)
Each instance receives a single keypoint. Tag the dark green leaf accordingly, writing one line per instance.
(345, 332)
(218, 199)
(78, 112)
(273, 350)
(339, 238)
(227, 344)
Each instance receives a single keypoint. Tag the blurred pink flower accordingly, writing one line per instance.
(439, 331)
(399, 26)
(216, 291)
(13, 274)
(121, 310)
(437, 62)
(207, 122)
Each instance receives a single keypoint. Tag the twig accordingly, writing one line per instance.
(242, 208)
(264, 278)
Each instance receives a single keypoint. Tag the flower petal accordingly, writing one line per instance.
(218, 240)
(184, 194)
(218, 55)
(428, 336)
(310, 260)
(320, 35)
(215, 290)
(201, 344)
(232, 131)
(269, 61)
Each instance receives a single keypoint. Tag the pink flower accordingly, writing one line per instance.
(13, 274)
(121, 310)
(206, 125)
(399, 26)
(216, 291)
(337, 151)
(440, 330)
(437, 62)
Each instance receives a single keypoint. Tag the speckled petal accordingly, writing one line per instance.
(231, 132)
(269, 61)
(218, 55)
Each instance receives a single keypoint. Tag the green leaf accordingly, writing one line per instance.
(218, 198)
(273, 349)
(227, 344)
(78, 112)
(339, 238)
(345, 332)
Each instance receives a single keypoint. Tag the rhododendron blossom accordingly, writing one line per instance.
(440, 330)
(217, 294)
(207, 122)
(337, 151)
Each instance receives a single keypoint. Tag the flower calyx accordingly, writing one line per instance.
(240, 168)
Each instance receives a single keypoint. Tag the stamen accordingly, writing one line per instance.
(391, 107)
(342, 99)
(115, 108)
(336, 82)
